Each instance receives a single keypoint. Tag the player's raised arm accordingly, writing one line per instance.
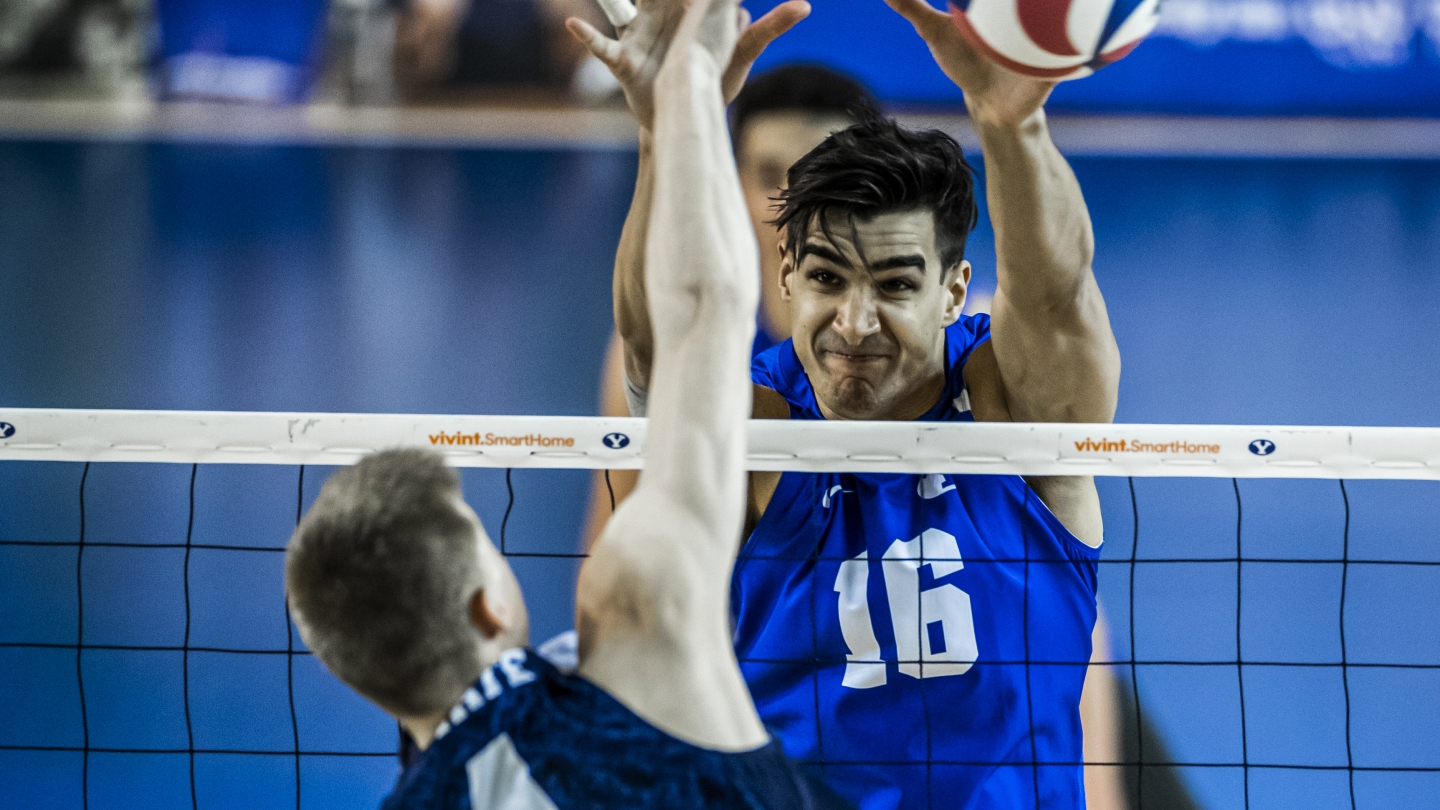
(653, 598)
(1052, 356)
(1056, 354)
(645, 31)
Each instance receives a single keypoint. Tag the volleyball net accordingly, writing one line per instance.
(1272, 592)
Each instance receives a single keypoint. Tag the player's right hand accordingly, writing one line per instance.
(993, 93)
(644, 39)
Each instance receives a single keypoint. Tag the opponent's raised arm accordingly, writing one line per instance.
(644, 35)
(1052, 344)
(653, 599)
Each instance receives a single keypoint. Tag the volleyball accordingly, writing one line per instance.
(1055, 39)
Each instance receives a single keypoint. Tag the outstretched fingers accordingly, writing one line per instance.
(689, 31)
(921, 14)
(620, 13)
(602, 47)
(756, 37)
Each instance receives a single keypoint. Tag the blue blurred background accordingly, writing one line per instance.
(186, 266)
(148, 275)
(1245, 57)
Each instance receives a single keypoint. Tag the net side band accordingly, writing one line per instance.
(1190, 451)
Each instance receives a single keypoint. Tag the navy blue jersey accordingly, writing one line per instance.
(528, 737)
(923, 635)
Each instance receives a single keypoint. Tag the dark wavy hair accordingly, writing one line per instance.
(879, 167)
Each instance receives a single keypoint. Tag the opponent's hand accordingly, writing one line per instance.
(994, 94)
(635, 58)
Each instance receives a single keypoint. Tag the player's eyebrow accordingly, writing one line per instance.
(825, 252)
(893, 262)
(829, 254)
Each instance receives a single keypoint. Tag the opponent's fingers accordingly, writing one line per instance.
(689, 29)
(620, 13)
(604, 48)
(756, 38)
(921, 14)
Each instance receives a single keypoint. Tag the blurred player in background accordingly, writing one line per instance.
(398, 590)
(869, 672)
(448, 43)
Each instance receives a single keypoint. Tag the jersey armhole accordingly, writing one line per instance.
(1073, 544)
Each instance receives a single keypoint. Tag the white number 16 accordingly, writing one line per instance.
(934, 629)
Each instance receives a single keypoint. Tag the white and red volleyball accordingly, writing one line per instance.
(1055, 39)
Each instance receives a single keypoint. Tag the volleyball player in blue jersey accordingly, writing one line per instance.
(926, 637)
(396, 588)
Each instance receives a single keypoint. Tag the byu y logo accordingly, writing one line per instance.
(615, 441)
(6, 430)
(1262, 447)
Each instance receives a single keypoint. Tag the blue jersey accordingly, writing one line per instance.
(884, 623)
(528, 737)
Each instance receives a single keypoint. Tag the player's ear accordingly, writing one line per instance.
(957, 281)
(787, 270)
(490, 619)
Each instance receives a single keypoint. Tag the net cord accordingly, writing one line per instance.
(185, 653)
(80, 649)
(1239, 645)
(1134, 666)
(1190, 451)
(290, 647)
(1344, 655)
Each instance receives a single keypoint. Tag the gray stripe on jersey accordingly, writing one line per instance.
(500, 779)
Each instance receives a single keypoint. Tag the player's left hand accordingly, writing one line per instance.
(635, 57)
(994, 94)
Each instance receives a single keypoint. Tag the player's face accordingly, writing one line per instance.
(769, 145)
(870, 303)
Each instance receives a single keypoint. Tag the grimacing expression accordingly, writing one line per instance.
(870, 303)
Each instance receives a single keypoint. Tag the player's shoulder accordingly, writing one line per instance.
(778, 369)
(967, 333)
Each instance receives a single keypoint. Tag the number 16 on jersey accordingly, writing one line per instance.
(934, 629)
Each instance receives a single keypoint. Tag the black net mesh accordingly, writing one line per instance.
(1373, 701)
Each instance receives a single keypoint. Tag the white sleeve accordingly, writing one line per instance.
(562, 651)
(636, 398)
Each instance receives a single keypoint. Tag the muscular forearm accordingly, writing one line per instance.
(1054, 350)
(632, 310)
(1043, 240)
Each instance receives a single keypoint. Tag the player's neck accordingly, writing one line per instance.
(422, 729)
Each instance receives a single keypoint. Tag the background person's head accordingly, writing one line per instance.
(876, 220)
(778, 117)
(395, 586)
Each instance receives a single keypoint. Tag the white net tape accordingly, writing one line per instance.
(1210, 451)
